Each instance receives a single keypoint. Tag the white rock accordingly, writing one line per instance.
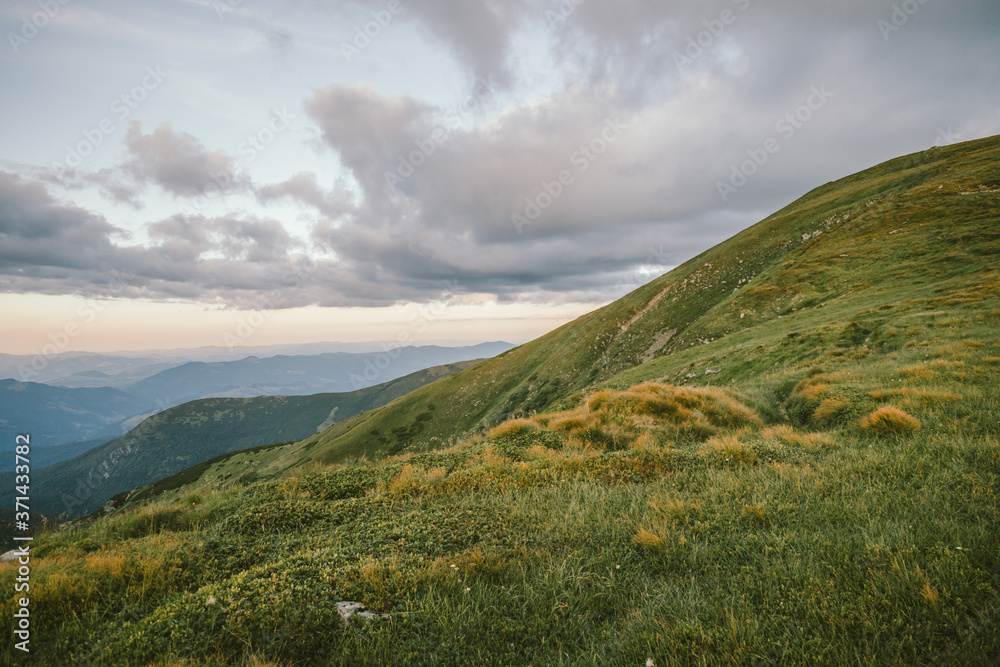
(348, 609)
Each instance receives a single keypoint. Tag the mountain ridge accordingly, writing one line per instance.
(186, 435)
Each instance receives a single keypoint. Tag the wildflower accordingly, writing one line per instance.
(650, 663)
(467, 589)
(210, 600)
(618, 567)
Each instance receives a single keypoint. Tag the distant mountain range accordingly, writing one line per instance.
(299, 375)
(56, 415)
(122, 369)
(189, 434)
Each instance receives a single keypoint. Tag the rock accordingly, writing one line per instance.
(712, 372)
(348, 609)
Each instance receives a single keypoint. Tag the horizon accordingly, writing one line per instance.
(361, 347)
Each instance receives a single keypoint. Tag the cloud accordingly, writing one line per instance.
(37, 229)
(178, 162)
(646, 140)
(304, 188)
(595, 184)
(478, 33)
(368, 130)
(587, 183)
(53, 248)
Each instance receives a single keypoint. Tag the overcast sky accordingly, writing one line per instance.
(244, 172)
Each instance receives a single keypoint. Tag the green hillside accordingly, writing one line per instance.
(899, 230)
(786, 451)
(189, 434)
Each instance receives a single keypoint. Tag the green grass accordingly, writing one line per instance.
(569, 503)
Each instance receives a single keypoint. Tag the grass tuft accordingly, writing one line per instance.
(890, 420)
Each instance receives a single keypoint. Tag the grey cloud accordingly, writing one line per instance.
(687, 129)
(477, 33)
(304, 188)
(367, 130)
(188, 238)
(651, 194)
(178, 162)
(30, 218)
(53, 248)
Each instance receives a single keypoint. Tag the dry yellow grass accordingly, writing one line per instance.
(929, 593)
(637, 417)
(944, 364)
(673, 509)
(912, 396)
(811, 389)
(828, 408)
(411, 480)
(567, 423)
(728, 449)
(674, 404)
(755, 513)
(512, 427)
(918, 372)
(890, 420)
(790, 436)
(649, 538)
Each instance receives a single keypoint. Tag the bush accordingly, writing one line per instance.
(889, 420)
(512, 427)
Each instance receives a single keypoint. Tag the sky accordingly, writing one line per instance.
(252, 172)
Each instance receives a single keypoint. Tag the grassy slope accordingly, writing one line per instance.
(886, 232)
(751, 517)
(186, 435)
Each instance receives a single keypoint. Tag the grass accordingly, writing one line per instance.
(569, 504)
(890, 420)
